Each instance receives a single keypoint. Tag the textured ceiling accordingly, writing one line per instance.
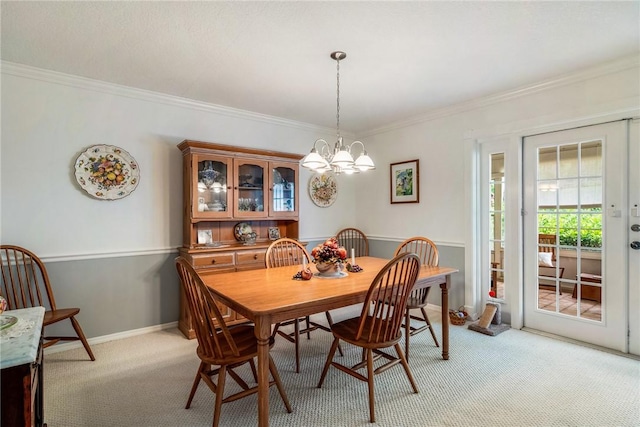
(403, 58)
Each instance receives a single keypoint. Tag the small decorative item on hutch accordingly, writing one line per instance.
(107, 172)
(404, 180)
(274, 233)
(328, 258)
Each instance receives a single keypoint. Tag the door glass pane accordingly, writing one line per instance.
(212, 186)
(250, 188)
(497, 192)
(570, 230)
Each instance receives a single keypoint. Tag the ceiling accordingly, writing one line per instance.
(404, 59)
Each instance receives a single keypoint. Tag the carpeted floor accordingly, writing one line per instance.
(514, 379)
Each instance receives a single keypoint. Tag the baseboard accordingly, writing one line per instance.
(112, 337)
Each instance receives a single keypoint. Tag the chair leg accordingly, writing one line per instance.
(407, 331)
(222, 375)
(296, 342)
(332, 352)
(202, 368)
(433, 334)
(330, 322)
(276, 378)
(405, 365)
(275, 330)
(308, 326)
(253, 370)
(78, 330)
(370, 374)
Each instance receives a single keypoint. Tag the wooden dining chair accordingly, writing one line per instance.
(378, 326)
(352, 238)
(285, 252)
(428, 254)
(25, 283)
(221, 349)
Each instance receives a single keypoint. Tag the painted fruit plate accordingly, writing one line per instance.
(107, 172)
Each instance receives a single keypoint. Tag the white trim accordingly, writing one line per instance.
(562, 80)
(112, 337)
(49, 76)
(388, 239)
(98, 255)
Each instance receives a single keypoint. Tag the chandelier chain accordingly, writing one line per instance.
(338, 96)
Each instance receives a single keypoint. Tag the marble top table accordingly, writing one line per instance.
(19, 342)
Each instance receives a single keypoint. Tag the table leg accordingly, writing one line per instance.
(445, 317)
(263, 333)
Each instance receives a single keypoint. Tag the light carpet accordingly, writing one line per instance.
(514, 379)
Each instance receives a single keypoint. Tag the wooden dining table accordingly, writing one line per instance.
(268, 296)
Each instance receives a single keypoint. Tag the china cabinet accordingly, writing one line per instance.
(229, 194)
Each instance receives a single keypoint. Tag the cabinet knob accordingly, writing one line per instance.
(213, 261)
(255, 256)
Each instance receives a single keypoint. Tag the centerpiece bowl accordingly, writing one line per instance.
(328, 258)
(329, 268)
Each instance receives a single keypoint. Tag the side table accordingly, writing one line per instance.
(21, 363)
(590, 292)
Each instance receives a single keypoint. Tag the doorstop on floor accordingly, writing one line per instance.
(490, 323)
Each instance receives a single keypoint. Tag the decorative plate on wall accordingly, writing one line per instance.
(107, 172)
(323, 189)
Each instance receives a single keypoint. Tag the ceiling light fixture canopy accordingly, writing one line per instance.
(338, 159)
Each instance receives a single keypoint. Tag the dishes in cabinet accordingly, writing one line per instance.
(107, 172)
(241, 229)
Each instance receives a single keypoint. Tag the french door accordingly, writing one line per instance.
(576, 253)
(634, 237)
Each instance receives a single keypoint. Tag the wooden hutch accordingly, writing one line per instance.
(230, 192)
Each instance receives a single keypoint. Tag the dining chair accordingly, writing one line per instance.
(285, 252)
(226, 348)
(378, 326)
(428, 254)
(352, 238)
(25, 283)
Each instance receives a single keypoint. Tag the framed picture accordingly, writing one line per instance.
(205, 237)
(274, 233)
(404, 179)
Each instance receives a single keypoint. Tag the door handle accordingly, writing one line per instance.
(635, 245)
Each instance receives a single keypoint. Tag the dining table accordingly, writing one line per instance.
(268, 296)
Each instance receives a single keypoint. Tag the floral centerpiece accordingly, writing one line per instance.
(328, 257)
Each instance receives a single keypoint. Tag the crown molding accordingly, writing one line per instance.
(624, 63)
(55, 77)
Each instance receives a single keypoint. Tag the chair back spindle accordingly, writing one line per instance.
(285, 252)
(212, 332)
(385, 303)
(25, 282)
(352, 238)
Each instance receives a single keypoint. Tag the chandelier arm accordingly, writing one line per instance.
(354, 143)
(325, 148)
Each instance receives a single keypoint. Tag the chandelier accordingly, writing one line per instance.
(338, 159)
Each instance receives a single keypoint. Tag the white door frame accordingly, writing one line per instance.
(514, 134)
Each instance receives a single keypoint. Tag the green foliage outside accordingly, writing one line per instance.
(567, 223)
